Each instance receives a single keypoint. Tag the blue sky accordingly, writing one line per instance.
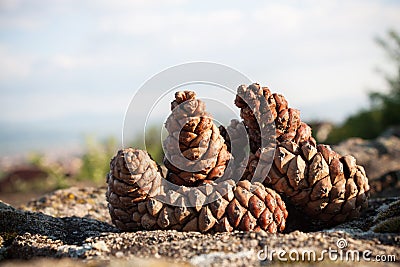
(73, 66)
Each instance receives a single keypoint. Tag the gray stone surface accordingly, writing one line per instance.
(75, 228)
(378, 156)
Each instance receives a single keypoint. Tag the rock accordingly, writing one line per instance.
(389, 225)
(380, 158)
(45, 262)
(89, 241)
(71, 230)
(321, 130)
(88, 202)
(392, 131)
(388, 218)
(77, 263)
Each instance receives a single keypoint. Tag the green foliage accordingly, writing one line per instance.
(153, 143)
(96, 160)
(93, 169)
(385, 107)
(365, 124)
(390, 103)
(55, 174)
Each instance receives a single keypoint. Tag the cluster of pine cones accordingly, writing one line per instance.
(214, 184)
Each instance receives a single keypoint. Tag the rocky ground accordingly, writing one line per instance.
(72, 227)
(381, 160)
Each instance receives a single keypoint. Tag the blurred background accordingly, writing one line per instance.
(68, 70)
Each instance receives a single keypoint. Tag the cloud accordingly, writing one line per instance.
(173, 24)
(279, 24)
(9, 5)
(18, 15)
(20, 23)
(68, 62)
(122, 5)
(330, 42)
(311, 51)
(13, 65)
(326, 20)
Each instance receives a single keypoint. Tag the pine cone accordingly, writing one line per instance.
(194, 149)
(259, 108)
(319, 181)
(327, 186)
(133, 177)
(336, 187)
(245, 206)
(235, 137)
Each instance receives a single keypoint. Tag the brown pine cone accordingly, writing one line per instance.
(259, 108)
(245, 206)
(194, 149)
(132, 178)
(235, 136)
(327, 186)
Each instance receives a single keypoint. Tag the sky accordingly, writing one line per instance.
(70, 68)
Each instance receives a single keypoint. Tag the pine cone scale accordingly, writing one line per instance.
(315, 178)
(325, 185)
(239, 206)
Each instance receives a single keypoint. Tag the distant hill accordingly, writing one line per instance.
(66, 134)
